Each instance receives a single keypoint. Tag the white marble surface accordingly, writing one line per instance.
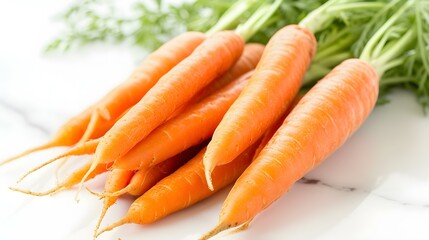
(375, 187)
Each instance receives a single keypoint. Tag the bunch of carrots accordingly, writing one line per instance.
(207, 110)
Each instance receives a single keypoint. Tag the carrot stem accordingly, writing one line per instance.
(257, 20)
(231, 16)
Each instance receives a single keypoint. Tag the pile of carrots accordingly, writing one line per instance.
(208, 110)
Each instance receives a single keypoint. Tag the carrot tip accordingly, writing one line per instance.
(39, 194)
(114, 225)
(219, 228)
(208, 168)
(38, 148)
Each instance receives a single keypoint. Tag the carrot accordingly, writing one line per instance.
(145, 178)
(80, 149)
(98, 118)
(248, 60)
(273, 128)
(181, 189)
(73, 179)
(194, 125)
(321, 122)
(269, 93)
(116, 180)
(209, 61)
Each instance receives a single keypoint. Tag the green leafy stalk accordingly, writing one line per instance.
(232, 15)
(399, 48)
(257, 20)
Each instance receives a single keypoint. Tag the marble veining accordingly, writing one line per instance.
(23, 114)
(312, 181)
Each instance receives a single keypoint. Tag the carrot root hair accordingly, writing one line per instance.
(77, 150)
(51, 191)
(40, 166)
(117, 193)
(101, 217)
(121, 222)
(222, 227)
(32, 150)
(97, 194)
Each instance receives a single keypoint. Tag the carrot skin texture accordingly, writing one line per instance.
(252, 53)
(144, 179)
(327, 115)
(181, 179)
(146, 75)
(208, 61)
(181, 189)
(267, 96)
(273, 128)
(196, 124)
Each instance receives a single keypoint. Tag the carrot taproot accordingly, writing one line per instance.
(145, 178)
(268, 94)
(194, 125)
(116, 180)
(207, 62)
(137, 183)
(181, 189)
(80, 149)
(99, 117)
(73, 179)
(321, 122)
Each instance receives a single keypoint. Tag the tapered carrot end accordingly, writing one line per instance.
(208, 169)
(38, 148)
(123, 221)
(208, 174)
(82, 181)
(100, 219)
(219, 228)
(39, 194)
(92, 125)
(41, 166)
(222, 227)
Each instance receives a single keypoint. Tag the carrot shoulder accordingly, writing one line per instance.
(327, 115)
(270, 91)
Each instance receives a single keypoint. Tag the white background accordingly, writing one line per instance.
(386, 162)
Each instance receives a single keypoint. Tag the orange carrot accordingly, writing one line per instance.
(209, 61)
(116, 180)
(321, 122)
(145, 178)
(266, 137)
(269, 93)
(98, 118)
(196, 124)
(73, 179)
(248, 60)
(181, 189)
(80, 149)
